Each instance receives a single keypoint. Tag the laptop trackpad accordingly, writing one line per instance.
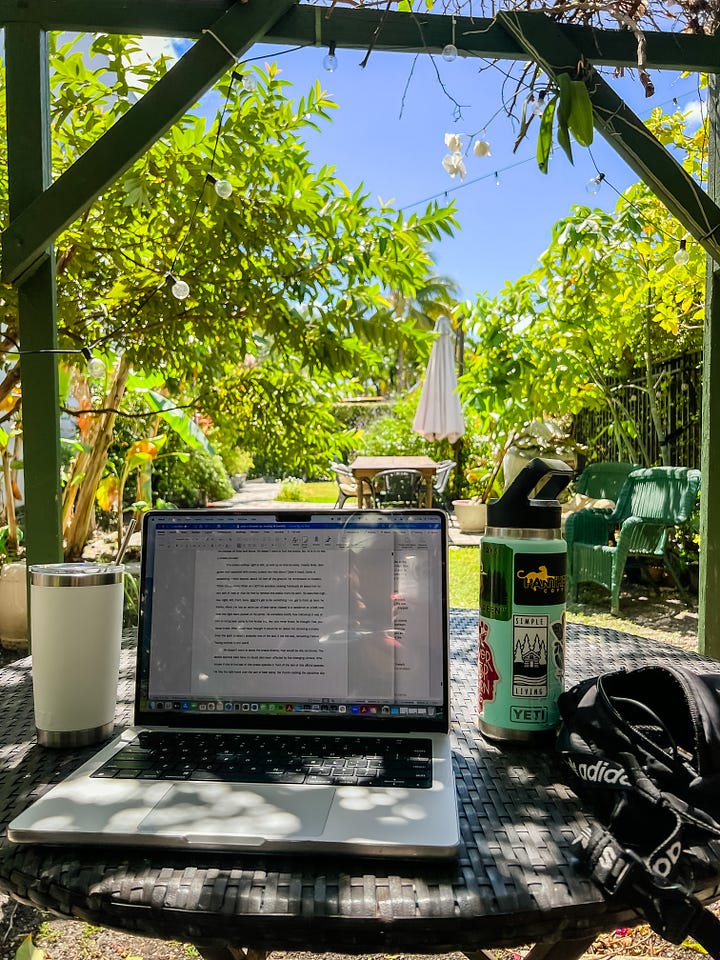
(200, 811)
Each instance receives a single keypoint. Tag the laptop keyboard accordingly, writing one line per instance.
(274, 758)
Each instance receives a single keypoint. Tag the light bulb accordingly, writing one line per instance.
(223, 188)
(539, 106)
(330, 61)
(497, 179)
(593, 185)
(682, 254)
(178, 288)
(249, 83)
(96, 368)
(449, 52)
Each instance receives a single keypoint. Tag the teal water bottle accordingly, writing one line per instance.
(523, 586)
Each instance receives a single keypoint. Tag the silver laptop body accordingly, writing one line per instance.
(279, 626)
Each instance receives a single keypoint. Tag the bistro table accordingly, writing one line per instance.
(365, 468)
(514, 882)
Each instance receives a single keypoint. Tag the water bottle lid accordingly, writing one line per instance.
(516, 509)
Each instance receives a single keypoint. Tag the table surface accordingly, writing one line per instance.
(515, 879)
(367, 466)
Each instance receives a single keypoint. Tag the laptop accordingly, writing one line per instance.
(291, 692)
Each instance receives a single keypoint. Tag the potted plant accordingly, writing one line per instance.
(13, 569)
(483, 482)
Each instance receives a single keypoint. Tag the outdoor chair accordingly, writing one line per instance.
(397, 488)
(598, 481)
(651, 502)
(603, 481)
(347, 485)
(440, 484)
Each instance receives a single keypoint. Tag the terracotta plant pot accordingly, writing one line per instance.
(471, 515)
(13, 605)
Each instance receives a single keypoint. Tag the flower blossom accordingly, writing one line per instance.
(481, 148)
(453, 164)
(453, 141)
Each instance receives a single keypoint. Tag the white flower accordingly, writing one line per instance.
(453, 142)
(453, 164)
(481, 148)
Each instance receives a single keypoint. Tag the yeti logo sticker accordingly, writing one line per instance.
(530, 656)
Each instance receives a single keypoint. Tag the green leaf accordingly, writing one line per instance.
(180, 422)
(581, 114)
(405, 6)
(544, 143)
(28, 951)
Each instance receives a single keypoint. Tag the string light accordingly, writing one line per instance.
(95, 367)
(178, 288)
(497, 179)
(450, 51)
(682, 254)
(539, 105)
(223, 188)
(594, 184)
(330, 61)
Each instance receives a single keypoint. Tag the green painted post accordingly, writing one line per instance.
(29, 173)
(709, 610)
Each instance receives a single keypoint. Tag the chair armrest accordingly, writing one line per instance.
(591, 525)
(638, 535)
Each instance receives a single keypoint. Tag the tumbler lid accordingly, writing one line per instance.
(75, 574)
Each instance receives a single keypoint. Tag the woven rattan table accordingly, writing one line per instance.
(515, 880)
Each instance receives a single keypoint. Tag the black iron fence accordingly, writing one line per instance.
(678, 390)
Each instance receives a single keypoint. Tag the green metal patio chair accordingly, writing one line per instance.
(397, 488)
(650, 504)
(440, 484)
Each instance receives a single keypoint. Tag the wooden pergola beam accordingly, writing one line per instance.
(546, 44)
(41, 220)
(355, 29)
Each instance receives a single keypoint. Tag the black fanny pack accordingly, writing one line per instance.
(644, 746)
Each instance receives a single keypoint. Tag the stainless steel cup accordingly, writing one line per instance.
(76, 613)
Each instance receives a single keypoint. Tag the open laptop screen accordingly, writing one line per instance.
(323, 619)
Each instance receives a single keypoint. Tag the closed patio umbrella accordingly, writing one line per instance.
(439, 414)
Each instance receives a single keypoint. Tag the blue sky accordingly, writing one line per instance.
(388, 132)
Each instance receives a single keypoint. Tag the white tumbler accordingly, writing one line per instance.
(76, 613)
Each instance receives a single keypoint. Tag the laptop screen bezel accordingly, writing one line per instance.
(297, 721)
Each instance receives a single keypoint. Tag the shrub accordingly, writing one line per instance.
(290, 489)
(191, 482)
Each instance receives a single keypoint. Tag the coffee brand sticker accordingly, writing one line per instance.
(540, 579)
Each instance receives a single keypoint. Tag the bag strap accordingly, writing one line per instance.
(672, 912)
(644, 881)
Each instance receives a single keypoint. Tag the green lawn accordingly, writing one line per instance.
(321, 491)
(464, 562)
(464, 576)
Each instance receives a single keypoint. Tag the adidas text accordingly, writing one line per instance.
(599, 771)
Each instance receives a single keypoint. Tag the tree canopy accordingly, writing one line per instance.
(287, 278)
